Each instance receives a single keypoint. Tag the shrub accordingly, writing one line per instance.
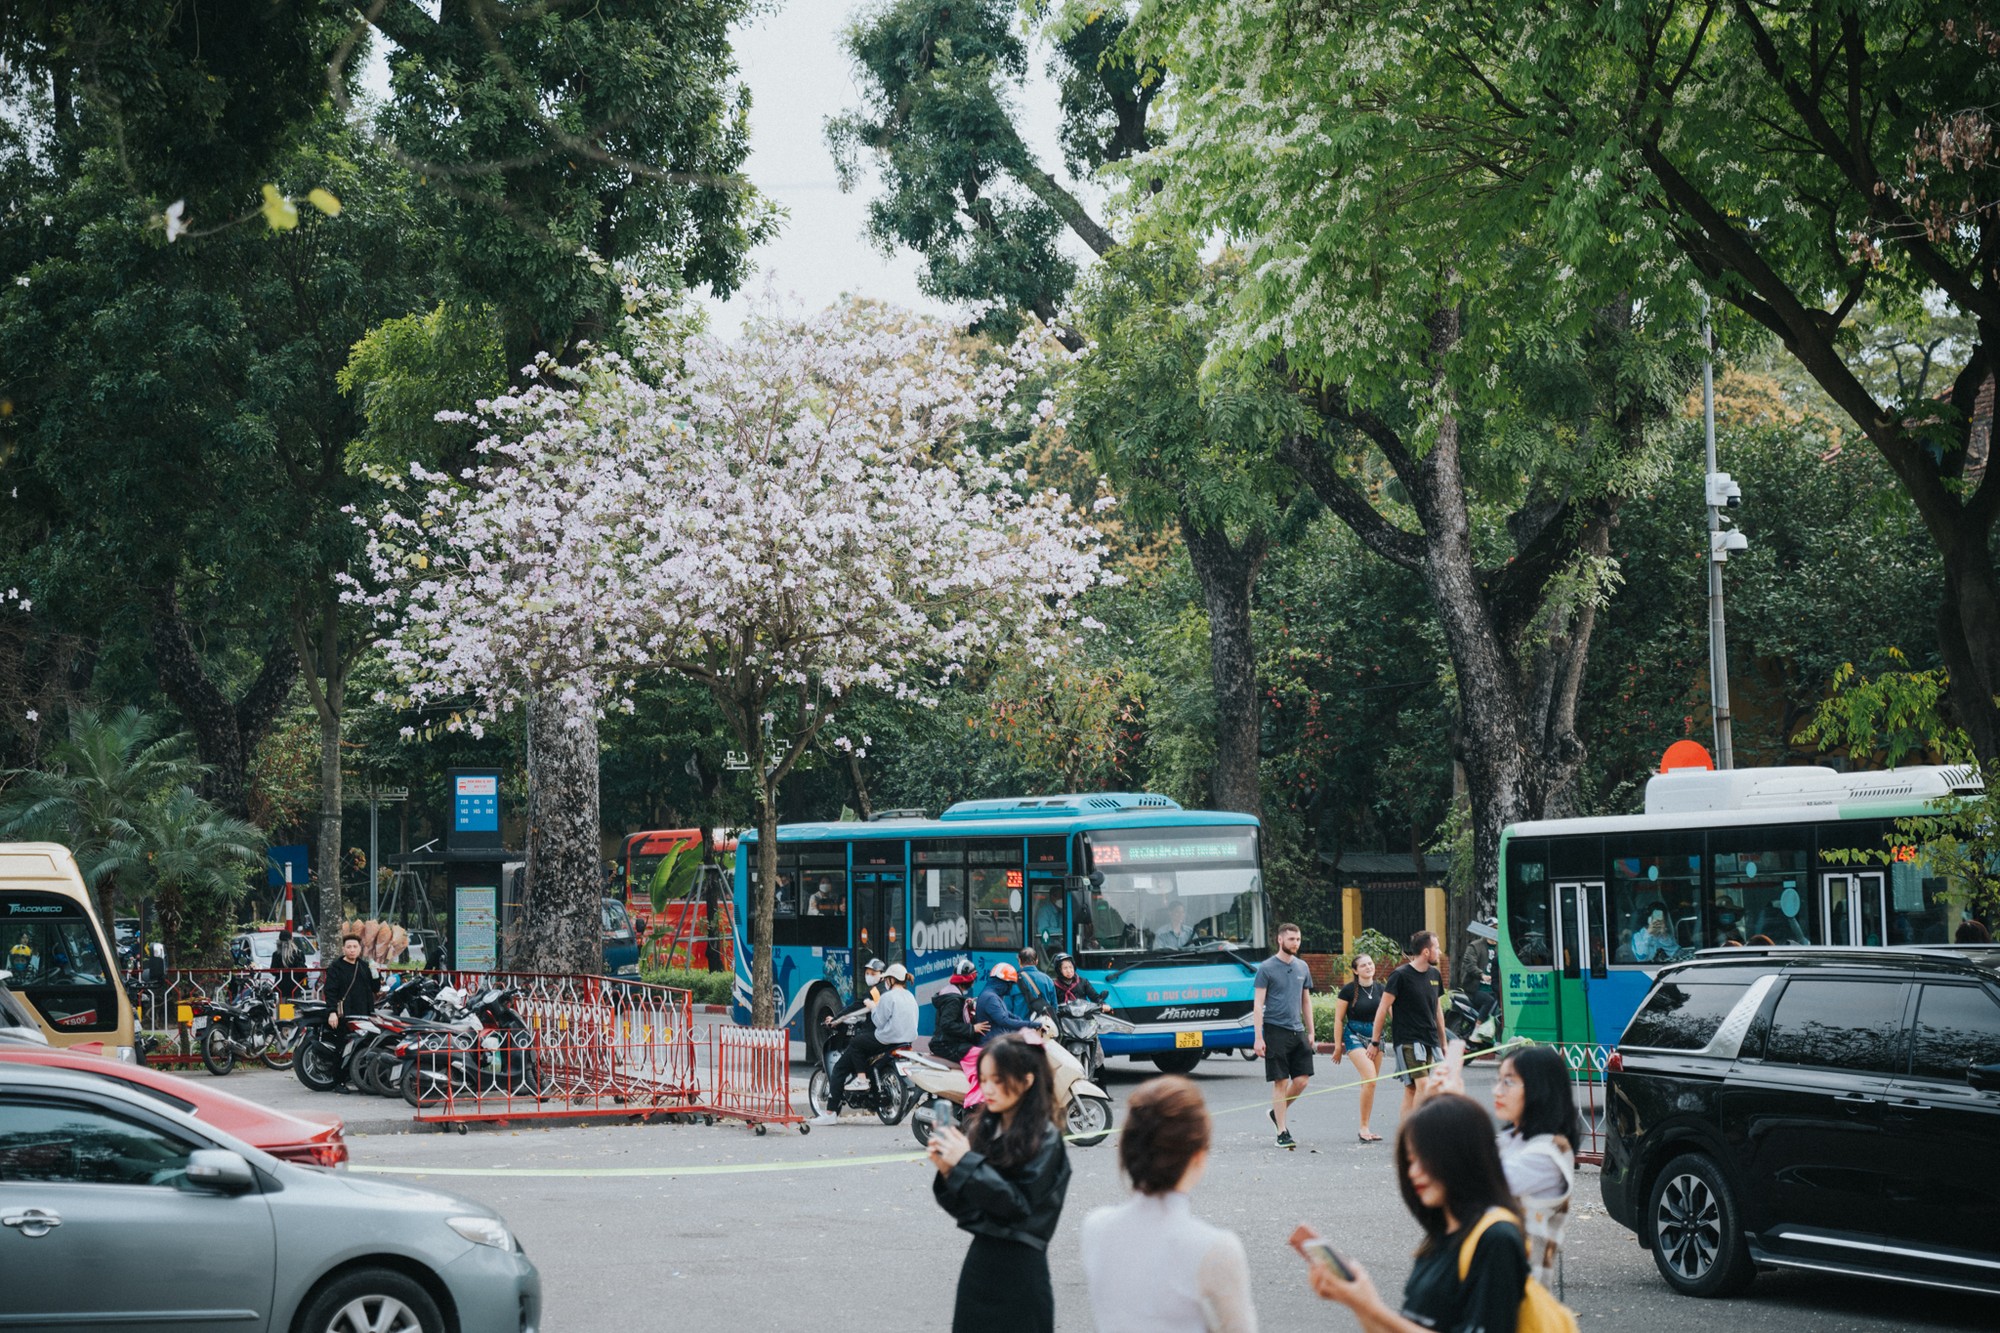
(707, 987)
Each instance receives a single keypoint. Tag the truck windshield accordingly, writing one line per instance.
(1170, 890)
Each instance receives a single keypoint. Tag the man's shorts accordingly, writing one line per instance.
(1414, 1060)
(1287, 1054)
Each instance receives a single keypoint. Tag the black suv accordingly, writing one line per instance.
(1827, 1109)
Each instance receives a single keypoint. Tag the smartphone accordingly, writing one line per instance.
(1316, 1250)
(943, 1114)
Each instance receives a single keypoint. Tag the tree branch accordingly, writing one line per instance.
(1350, 506)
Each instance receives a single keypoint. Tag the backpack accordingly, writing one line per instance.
(1540, 1312)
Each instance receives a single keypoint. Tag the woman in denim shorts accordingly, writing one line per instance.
(1354, 1018)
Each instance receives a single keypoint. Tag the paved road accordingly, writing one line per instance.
(709, 1235)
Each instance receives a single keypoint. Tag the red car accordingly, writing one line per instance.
(289, 1137)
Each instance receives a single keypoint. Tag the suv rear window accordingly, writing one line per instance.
(1837, 1025)
(1957, 1027)
(1682, 1015)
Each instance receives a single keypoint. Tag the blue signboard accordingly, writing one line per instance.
(475, 809)
(277, 858)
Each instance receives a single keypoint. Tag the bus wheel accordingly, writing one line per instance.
(823, 1005)
(1177, 1062)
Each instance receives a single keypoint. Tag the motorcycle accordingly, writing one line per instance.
(471, 1049)
(887, 1093)
(1077, 1028)
(1472, 1010)
(1083, 1106)
(248, 1023)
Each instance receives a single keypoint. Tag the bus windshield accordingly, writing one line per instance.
(51, 950)
(1170, 890)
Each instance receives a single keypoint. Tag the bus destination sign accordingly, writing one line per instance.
(1107, 853)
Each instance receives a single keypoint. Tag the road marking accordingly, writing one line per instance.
(754, 1168)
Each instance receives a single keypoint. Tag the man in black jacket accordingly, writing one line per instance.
(953, 1033)
(350, 991)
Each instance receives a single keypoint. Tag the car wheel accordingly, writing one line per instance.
(217, 1055)
(1698, 1240)
(1089, 1121)
(1177, 1062)
(373, 1300)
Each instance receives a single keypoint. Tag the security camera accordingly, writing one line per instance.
(1723, 492)
(1720, 544)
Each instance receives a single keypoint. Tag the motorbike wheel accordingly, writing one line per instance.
(920, 1125)
(316, 1066)
(416, 1088)
(897, 1096)
(1089, 1121)
(362, 1070)
(283, 1048)
(819, 1091)
(217, 1055)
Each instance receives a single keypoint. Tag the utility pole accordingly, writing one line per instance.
(1722, 493)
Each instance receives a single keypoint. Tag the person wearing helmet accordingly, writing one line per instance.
(995, 1005)
(1071, 984)
(955, 1028)
(894, 1024)
(871, 979)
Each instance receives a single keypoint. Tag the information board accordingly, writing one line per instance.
(476, 928)
(475, 808)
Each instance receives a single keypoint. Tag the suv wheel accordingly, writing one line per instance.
(1698, 1240)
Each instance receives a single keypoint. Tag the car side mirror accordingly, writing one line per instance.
(1985, 1078)
(220, 1171)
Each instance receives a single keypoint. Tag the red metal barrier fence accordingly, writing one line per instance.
(587, 1047)
(1586, 1061)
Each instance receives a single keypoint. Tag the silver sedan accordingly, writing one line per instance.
(117, 1212)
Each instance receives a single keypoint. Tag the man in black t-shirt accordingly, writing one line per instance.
(1415, 993)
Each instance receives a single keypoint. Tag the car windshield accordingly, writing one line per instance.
(1170, 890)
(615, 916)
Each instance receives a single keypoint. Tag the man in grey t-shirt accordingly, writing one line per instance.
(1282, 1017)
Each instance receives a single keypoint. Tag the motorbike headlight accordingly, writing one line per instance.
(483, 1231)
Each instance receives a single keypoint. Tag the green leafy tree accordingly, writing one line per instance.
(198, 862)
(96, 791)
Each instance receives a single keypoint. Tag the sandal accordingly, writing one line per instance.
(1370, 1138)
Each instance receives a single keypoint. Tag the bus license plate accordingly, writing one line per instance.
(1187, 1039)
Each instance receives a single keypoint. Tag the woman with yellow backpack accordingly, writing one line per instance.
(1471, 1272)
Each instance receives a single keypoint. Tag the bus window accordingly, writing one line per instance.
(1656, 896)
(996, 884)
(826, 893)
(1527, 905)
(1758, 877)
(1170, 890)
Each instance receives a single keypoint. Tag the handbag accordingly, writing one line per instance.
(1540, 1311)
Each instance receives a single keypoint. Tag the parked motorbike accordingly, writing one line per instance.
(322, 1064)
(474, 1048)
(1083, 1105)
(886, 1092)
(247, 1023)
(1077, 1028)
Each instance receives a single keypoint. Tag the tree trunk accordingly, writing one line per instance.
(328, 910)
(226, 731)
(564, 932)
(1228, 573)
(764, 911)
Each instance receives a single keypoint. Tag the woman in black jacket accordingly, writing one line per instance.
(1004, 1179)
(953, 1031)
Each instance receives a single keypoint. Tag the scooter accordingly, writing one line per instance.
(1078, 1026)
(482, 1049)
(1085, 1108)
(1475, 1018)
(887, 1093)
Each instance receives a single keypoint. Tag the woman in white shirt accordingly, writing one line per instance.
(1152, 1266)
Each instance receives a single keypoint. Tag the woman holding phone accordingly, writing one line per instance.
(1354, 1023)
(1449, 1170)
(1004, 1179)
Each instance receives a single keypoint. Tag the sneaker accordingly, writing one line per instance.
(1285, 1139)
(825, 1118)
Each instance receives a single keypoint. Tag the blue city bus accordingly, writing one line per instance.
(1591, 908)
(1096, 876)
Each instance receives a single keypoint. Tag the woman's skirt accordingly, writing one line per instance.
(1004, 1288)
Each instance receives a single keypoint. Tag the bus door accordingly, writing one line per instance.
(1854, 908)
(879, 925)
(1581, 928)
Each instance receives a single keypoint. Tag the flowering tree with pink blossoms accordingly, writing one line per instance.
(786, 517)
